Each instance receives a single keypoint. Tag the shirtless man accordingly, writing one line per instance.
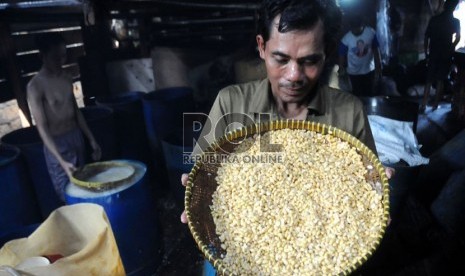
(57, 116)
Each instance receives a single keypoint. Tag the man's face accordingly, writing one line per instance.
(294, 61)
(56, 56)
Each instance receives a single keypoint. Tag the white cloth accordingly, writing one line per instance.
(130, 75)
(360, 58)
(395, 141)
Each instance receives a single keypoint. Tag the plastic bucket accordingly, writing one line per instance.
(32, 149)
(131, 210)
(18, 203)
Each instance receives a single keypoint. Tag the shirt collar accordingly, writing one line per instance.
(263, 102)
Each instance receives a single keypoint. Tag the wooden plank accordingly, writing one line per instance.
(41, 15)
(18, 28)
(31, 63)
(8, 52)
(71, 69)
(27, 42)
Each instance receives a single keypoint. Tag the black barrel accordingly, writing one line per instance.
(102, 125)
(32, 148)
(130, 126)
(163, 112)
(18, 203)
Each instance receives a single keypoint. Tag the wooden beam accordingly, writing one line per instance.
(8, 52)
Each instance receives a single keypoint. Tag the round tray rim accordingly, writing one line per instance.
(277, 125)
(97, 186)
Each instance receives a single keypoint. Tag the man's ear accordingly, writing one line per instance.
(261, 46)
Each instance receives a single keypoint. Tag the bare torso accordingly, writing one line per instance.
(57, 101)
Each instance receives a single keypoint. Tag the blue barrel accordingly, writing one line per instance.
(32, 149)
(130, 127)
(102, 125)
(18, 233)
(163, 112)
(18, 203)
(131, 210)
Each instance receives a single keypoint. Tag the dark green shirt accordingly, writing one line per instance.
(329, 106)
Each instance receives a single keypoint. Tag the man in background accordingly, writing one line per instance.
(359, 57)
(439, 49)
(56, 114)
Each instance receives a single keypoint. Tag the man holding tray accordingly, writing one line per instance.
(295, 38)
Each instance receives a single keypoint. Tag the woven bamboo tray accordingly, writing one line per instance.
(201, 185)
(81, 176)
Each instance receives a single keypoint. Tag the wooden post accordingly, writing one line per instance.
(97, 45)
(8, 52)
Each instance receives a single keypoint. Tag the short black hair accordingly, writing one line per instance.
(301, 15)
(46, 41)
(356, 21)
(450, 5)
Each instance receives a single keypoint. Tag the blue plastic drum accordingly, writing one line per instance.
(18, 203)
(131, 210)
(163, 112)
(130, 126)
(32, 149)
(102, 125)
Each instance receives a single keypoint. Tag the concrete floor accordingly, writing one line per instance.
(414, 244)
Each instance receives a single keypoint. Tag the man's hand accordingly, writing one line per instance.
(390, 172)
(97, 152)
(184, 177)
(68, 167)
